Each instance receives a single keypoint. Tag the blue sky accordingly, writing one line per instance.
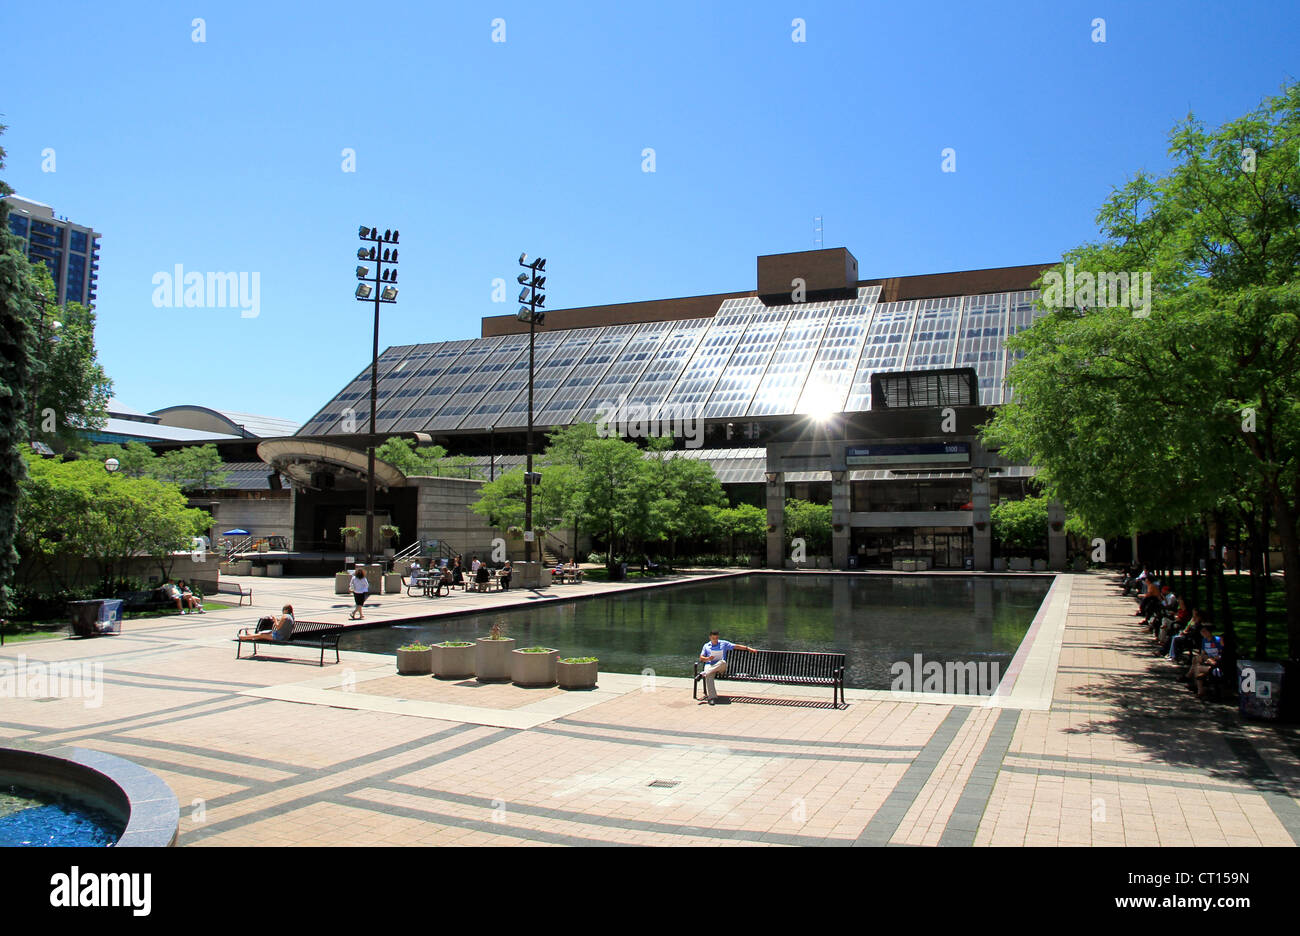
(227, 154)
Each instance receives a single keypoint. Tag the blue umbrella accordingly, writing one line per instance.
(236, 533)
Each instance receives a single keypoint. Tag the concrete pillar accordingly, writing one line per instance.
(983, 538)
(776, 520)
(1055, 536)
(841, 534)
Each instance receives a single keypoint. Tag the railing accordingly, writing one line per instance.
(408, 552)
(238, 547)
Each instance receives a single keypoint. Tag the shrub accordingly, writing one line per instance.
(536, 650)
(416, 647)
(454, 643)
(580, 660)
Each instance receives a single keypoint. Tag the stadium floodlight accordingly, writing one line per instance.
(363, 232)
(363, 291)
(363, 272)
(362, 254)
(521, 278)
(388, 294)
(523, 259)
(524, 294)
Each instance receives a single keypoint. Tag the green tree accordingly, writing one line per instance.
(1020, 525)
(501, 502)
(683, 490)
(410, 459)
(15, 381)
(613, 494)
(72, 389)
(809, 521)
(743, 525)
(192, 468)
(116, 519)
(1150, 420)
(135, 459)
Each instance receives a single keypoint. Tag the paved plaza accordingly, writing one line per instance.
(1090, 742)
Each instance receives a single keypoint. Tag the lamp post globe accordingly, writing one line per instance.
(111, 465)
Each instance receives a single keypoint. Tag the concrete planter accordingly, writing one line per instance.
(1021, 564)
(492, 658)
(575, 675)
(392, 583)
(275, 569)
(999, 564)
(531, 575)
(341, 580)
(1040, 565)
(533, 669)
(823, 562)
(453, 662)
(415, 662)
(242, 567)
(259, 570)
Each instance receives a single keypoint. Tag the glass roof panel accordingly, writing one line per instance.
(885, 349)
(735, 388)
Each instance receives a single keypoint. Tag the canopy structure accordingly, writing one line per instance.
(316, 465)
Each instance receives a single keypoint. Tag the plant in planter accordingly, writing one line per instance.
(347, 531)
(453, 659)
(390, 533)
(492, 654)
(534, 666)
(576, 673)
(415, 659)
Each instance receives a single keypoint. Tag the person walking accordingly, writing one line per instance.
(360, 588)
(714, 656)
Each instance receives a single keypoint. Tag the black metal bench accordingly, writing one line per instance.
(788, 667)
(234, 588)
(304, 632)
(151, 600)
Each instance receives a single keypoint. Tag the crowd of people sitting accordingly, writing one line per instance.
(1177, 629)
(449, 574)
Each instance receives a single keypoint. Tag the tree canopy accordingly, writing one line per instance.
(1143, 418)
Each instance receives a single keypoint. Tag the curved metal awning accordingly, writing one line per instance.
(302, 460)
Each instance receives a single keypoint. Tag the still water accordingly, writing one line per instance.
(875, 619)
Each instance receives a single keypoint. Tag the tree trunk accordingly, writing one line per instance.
(1286, 524)
(1226, 629)
(1202, 551)
(1258, 587)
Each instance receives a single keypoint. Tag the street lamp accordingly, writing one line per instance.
(531, 300)
(382, 250)
(111, 465)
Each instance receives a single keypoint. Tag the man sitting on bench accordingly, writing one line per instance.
(281, 630)
(714, 656)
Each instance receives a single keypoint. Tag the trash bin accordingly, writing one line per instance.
(110, 616)
(1259, 689)
(96, 616)
(853, 561)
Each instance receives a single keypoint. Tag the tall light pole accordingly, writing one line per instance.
(531, 300)
(382, 250)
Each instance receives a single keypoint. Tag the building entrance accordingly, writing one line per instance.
(941, 547)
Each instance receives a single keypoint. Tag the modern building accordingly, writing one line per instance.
(70, 251)
(866, 394)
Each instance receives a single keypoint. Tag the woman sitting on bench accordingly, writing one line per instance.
(281, 629)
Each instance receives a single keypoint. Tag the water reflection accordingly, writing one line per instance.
(875, 619)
